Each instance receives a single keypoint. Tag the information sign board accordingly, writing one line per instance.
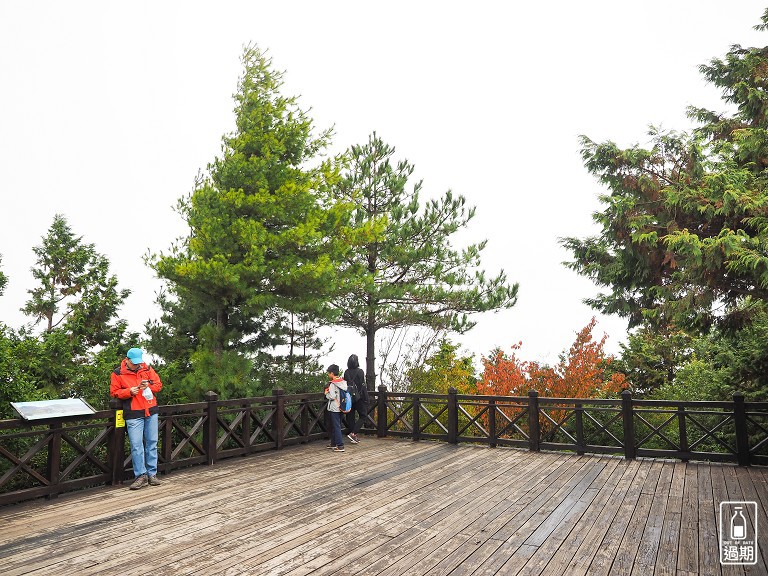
(42, 409)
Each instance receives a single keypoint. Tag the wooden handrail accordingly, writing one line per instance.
(45, 458)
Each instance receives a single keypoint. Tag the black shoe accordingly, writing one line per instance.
(353, 438)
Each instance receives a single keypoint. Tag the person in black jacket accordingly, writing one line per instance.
(355, 376)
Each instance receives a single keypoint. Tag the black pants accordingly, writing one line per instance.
(354, 424)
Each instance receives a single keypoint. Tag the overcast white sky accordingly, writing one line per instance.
(109, 109)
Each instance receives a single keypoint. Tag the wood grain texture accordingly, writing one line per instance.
(389, 507)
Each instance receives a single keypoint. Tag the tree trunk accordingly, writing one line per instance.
(370, 349)
(222, 323)
(370, 360)
(291, 344)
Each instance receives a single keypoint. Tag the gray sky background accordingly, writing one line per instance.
(108, 110)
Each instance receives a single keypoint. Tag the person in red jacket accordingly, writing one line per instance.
(135, 384)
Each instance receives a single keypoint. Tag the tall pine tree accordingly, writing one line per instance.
(403, 268)
(263, 231)
(75, 290)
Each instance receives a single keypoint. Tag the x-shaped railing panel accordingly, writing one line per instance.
(602, 427)
(231, 429)
(86, 452)
(23, 463)
(264, 424)
(656, 430)
(559, 426)
(187, 440)
(432, 418)
(511, 423)
(400, 410)
(764, 440)
(316, 418)
(710, 432)
(473, 422)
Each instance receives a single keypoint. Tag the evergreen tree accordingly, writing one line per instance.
(684, 239)
(652, 357)
(262, 233)
(77, 299)
(76, 292)
(403, 269)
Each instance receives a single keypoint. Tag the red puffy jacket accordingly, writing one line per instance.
(123, 379)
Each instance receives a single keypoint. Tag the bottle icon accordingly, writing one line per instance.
(738, 525)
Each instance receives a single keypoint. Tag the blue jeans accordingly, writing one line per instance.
(142, 432)
(336, 438)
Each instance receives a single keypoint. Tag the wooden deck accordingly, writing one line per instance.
(411, 508)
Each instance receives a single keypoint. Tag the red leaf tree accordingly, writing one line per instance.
(581, 373)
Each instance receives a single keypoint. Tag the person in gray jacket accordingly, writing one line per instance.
(334, 407)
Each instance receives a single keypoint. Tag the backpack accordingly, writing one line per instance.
(353, 392)
(345, 400)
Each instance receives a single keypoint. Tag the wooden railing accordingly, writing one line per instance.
(734, 431)
(49, 457)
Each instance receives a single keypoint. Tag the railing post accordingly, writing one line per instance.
(682, 431)
(54, 455)
(278, 420)
(629, 425)
(166, 439)
(381, 412)
(492, 423)
(579, 428)
(210, 435)
(246, 427)
(116, 446)
(534, 433)
(453, 416)
(305, 418)
(742, 435)
(416, 423)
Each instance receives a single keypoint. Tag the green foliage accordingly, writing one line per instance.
(683, 248)
(697, 380)
(16, 385)
(75, 293)
(3, 278)
(651, 359)
(714, 366)
(444, 369)
(685, 226)
(264, 235)
(299, 370)
(403, 268)
(78, 300)
(91, 376)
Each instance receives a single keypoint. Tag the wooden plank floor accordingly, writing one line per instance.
(411, 508)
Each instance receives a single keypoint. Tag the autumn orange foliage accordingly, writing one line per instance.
(582, 373)
(579, 374)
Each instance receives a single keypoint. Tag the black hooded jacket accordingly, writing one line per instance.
(355, 376)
